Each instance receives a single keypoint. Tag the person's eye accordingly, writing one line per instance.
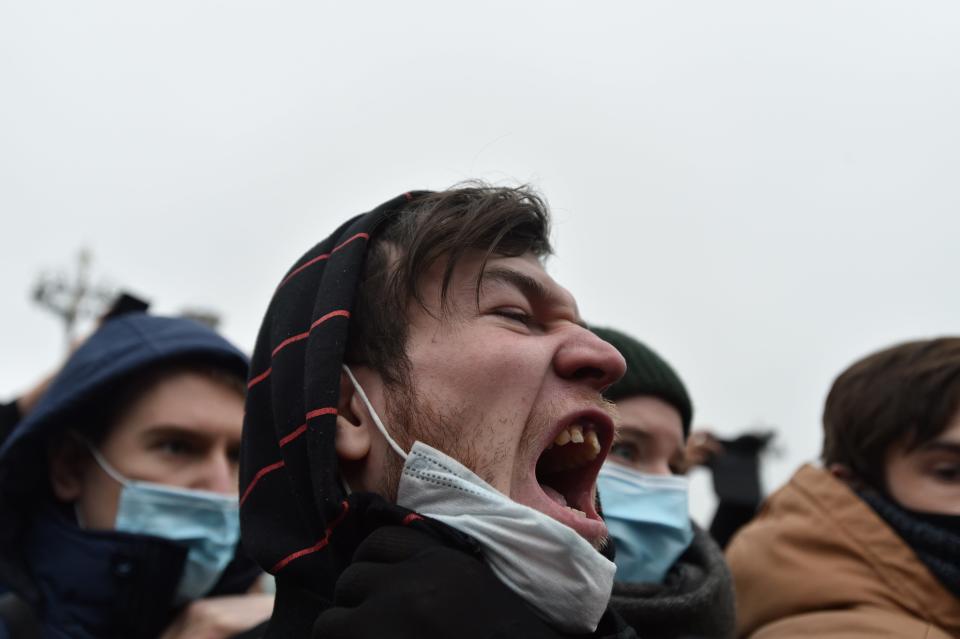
(515, 315)
(175, 447)
(947, 473)
(625, 451)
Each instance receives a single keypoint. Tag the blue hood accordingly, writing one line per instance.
(120, 347)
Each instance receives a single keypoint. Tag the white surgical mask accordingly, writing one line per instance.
(207, 523)
(555, 570)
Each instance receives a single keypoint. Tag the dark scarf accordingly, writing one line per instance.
(296, 520)
(934, 543)
(694, 602)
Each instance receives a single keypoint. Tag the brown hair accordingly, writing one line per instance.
(906, 394)
(434, 226)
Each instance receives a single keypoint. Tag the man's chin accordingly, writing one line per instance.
(589, 526)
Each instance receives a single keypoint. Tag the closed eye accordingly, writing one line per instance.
(515, 315)
(948, 473)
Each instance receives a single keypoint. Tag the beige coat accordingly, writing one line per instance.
(817, 562)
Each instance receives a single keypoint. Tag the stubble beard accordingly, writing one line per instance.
(414, 417)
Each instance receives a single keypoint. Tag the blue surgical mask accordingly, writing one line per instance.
(207, 523)
(555, 570)
(648, 519)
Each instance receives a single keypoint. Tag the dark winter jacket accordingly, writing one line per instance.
(91, 584)
(349, 566)
(9, 417)
(695, 601)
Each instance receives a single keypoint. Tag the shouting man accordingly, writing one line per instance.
(424, 430)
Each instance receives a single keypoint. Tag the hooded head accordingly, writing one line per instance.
(440, 305)
(122, 363)
(122, 348)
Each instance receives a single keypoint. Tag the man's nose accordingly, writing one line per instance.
(586, 358)
(218, 475)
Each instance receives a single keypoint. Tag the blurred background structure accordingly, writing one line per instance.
(761, 191)
(71, 296)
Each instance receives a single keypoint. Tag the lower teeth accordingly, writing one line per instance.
(555, 495)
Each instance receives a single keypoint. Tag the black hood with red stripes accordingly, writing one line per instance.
(296, 520)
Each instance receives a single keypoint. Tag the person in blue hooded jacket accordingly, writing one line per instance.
(118, 492)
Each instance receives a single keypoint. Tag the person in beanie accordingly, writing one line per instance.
(671, 579)
(118, 492)
(424, 426)
(869, 544)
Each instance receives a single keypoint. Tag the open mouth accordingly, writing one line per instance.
(566, 471)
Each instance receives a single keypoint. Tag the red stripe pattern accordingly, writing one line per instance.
(321, 411)
(266, 470)
(322, 257)
(300, 430)
(293, 339)
(304, 335)
(297, 432)
(320, 545)
(259, 378)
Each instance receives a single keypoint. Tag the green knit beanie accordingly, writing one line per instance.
(647, 374)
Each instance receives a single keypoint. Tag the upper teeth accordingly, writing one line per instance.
(586, 449)
(575, 433)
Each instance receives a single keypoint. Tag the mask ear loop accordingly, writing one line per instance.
(101, 460)
(373, 413)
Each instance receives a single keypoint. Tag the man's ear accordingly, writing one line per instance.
(66, 461)
(354, 424)
(843, 473)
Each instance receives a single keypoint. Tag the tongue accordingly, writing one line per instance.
(554, 495)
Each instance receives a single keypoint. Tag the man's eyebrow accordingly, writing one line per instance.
(167, 429)
(626, 433)
(531, 287)
(939, 445)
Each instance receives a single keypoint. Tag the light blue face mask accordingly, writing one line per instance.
(207, 523)
(648, 519)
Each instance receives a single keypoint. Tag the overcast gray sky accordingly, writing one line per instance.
(763, 191)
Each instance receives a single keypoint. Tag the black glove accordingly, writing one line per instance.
(404, 583)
